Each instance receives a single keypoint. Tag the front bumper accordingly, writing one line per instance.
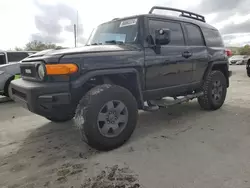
(41, 98)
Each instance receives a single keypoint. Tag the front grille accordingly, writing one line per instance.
(28, 71)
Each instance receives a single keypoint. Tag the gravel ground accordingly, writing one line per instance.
(173, 148)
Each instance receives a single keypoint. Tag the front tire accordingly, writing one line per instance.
(215, 91)
(107, 116)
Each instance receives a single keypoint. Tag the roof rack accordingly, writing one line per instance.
(184, 13)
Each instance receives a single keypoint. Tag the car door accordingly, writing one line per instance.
(169, 67)
(198, 49)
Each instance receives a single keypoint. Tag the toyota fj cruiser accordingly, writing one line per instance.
(128, 64)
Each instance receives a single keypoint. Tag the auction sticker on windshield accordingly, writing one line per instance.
(129, 22)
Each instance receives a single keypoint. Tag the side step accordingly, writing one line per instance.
(165, 103)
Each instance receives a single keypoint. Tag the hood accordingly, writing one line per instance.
(91, 49)
(9, 65)
(52, 56)
(41, 53)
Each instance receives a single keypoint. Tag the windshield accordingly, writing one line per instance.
(115, 32)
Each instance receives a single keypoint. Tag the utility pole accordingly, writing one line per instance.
(77, 24)
(76, 29)
(75, 34)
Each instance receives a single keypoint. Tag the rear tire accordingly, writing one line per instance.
(215, 90)
(106, 116)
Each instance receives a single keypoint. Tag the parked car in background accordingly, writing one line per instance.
(239, 59)
(10, 68)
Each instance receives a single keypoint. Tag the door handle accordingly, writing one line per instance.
(187, 54)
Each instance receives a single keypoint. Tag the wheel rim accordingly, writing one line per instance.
(217, 91)
(112, 118)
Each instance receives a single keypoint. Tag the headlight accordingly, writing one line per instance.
(41, 71)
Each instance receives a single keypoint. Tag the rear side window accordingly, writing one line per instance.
(212, 38)
(177, 38)
(195, 37)
(16, 56)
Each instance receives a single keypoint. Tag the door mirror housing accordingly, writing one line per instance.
(162, 37)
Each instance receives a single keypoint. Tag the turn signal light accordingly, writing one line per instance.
(61, 69)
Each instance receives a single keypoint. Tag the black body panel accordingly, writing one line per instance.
(167, 70)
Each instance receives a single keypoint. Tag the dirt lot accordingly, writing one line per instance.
(173, 148)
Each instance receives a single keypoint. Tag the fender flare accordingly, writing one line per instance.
(212, 64)
(84, 78)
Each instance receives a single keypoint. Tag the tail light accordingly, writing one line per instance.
(228, 53)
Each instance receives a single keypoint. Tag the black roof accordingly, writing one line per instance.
(185, 16)
(183, 19)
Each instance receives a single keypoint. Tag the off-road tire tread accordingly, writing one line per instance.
(204, 100)
(83, 108)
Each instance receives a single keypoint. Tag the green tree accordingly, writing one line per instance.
(38, 46)
(245, 50)
(18, 49)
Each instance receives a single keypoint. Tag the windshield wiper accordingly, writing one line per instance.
(114, 42)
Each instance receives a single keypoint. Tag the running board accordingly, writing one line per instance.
(165, 103)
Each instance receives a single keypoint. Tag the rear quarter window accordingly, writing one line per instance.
(16, 56)
(212, 38)
(195, 37)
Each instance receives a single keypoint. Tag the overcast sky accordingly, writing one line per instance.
(52, 20)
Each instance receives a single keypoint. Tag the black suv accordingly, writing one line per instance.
(128, 64)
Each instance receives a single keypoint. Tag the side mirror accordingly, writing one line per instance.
(162, 36)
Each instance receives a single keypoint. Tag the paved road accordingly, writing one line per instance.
(178, 147)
